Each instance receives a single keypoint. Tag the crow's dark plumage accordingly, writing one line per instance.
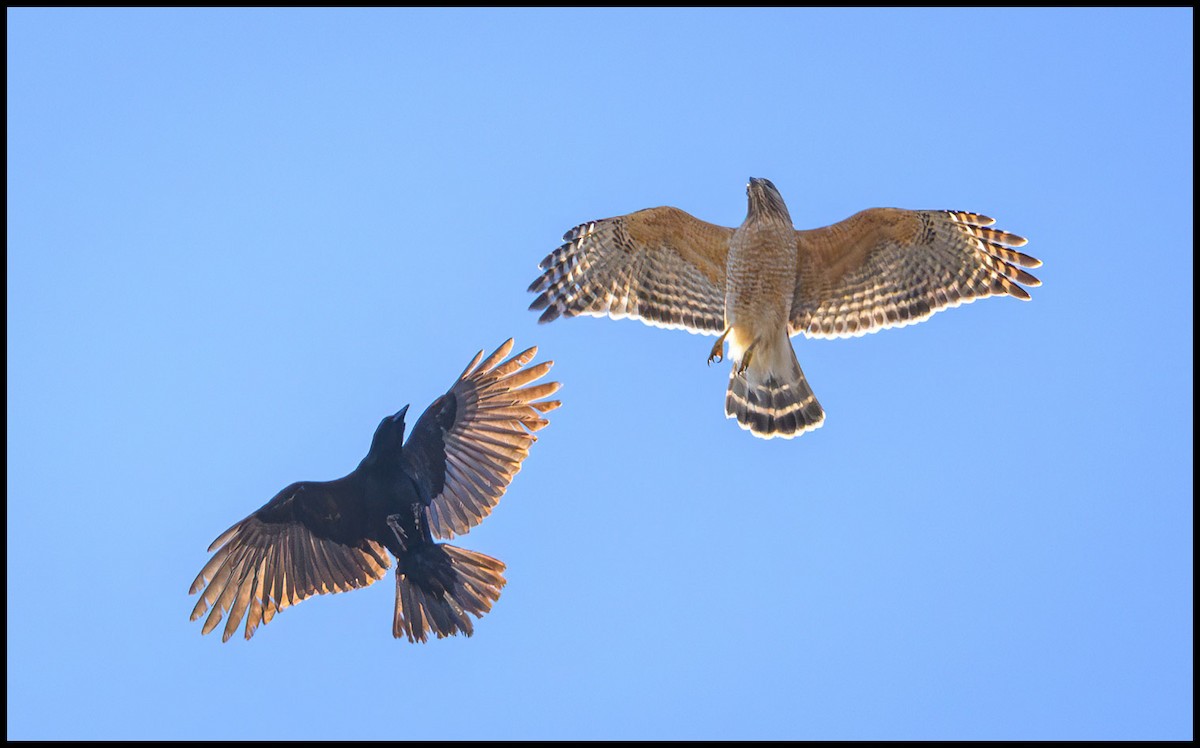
(318, 537)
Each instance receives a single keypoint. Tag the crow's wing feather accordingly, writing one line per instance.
(466, 447)
(310, 539)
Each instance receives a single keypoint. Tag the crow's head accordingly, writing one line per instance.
(388, 439)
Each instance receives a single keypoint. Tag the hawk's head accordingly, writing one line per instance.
(765, 201)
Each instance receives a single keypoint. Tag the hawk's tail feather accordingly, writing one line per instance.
(771, 398)
(438, 585)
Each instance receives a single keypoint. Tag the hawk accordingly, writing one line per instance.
(759, 284)
(318, 537)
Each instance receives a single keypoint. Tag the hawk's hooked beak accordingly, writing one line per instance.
(400, 414)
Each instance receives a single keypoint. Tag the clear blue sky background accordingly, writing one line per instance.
(238, 238)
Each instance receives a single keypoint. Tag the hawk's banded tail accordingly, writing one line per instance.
(438, 585)
(771, 397)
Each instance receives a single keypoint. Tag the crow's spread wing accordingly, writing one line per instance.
(310, 539)
(467, 446)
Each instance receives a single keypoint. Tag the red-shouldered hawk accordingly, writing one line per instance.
(764, 281)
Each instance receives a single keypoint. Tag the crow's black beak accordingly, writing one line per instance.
(400, 414)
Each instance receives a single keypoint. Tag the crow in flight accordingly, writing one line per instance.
(319, 537)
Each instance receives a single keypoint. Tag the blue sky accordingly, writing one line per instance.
(238, 238)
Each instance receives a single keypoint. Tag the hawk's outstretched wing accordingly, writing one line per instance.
(886, 267)
(466, 447)
(308, 540)
(660, 265)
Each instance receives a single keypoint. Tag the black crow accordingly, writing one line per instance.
(318, 537)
